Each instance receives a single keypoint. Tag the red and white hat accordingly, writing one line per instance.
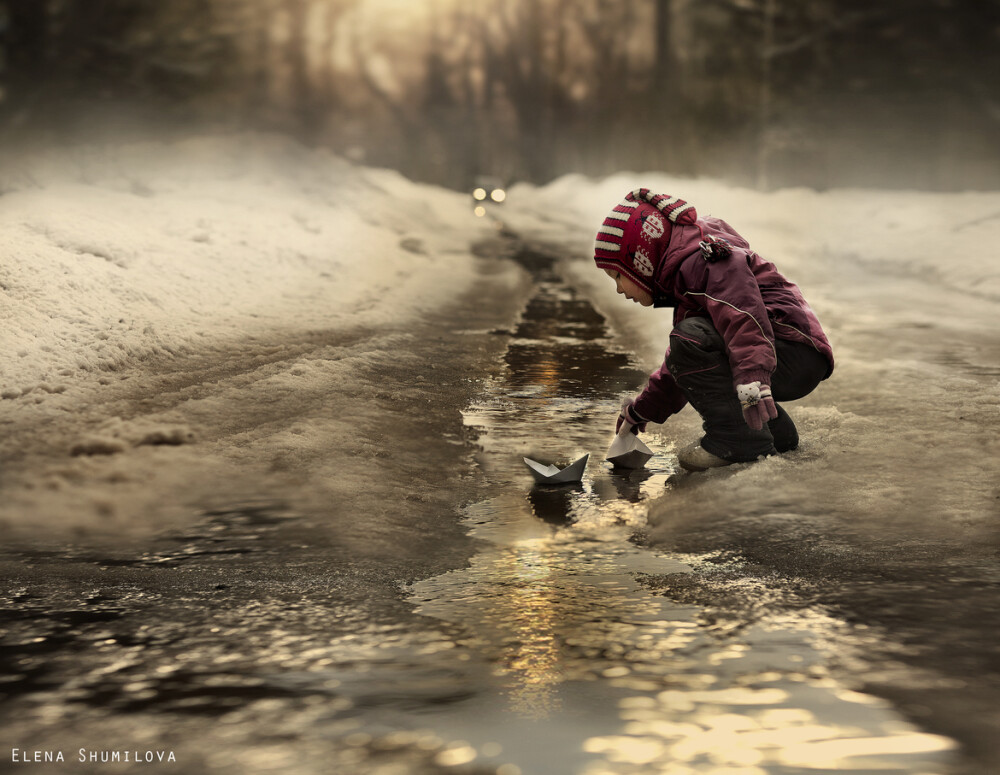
(634, 237)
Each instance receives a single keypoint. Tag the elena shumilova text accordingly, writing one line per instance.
(92, 756)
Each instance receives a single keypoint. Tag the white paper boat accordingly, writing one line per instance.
(628, 450)
(554, 474)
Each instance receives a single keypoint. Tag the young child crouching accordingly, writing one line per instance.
(744, 338)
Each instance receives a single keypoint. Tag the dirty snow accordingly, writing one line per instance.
(167, 307)
(114, 254)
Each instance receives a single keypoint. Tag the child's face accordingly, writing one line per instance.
(629, 289)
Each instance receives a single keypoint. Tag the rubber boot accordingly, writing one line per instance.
(695, 458)
(783, 431)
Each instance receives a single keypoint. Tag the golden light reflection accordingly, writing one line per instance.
(532, 657)
(456, 754)
(627, 750)
(847, 753)
(734, 730)
(546, 371)
(549, 627)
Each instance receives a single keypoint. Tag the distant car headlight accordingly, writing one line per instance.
(480, 211)
(498, 195)
(479, 194)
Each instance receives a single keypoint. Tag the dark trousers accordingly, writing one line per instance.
(699, 364)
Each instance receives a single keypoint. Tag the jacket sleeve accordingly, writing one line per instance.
(661, 397)
(728, 291)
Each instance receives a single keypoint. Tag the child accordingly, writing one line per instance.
(743, 338)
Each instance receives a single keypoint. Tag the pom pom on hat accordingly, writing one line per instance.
(675, 208)
(633, 238)
(713, 248)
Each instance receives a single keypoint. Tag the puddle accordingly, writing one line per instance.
(579, 667)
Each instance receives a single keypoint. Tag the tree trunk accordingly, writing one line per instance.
(764, 97)
(25, 47)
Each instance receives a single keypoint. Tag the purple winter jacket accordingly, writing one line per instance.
(748, 301)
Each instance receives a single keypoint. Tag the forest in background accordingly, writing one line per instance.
(769, 93)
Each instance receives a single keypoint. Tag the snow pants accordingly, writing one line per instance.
(699, 363)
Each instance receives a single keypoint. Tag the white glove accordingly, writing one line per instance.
(630, 416)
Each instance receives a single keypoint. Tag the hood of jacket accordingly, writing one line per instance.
(685, 244)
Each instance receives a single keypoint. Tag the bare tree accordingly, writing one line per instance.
(25, 26)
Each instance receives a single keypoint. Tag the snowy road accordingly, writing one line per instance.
(305, 621)
(263, 505)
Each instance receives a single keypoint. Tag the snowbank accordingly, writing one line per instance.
(946, 238)
(113, 254)
(824, 241)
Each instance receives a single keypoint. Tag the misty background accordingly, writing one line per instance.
(768, 93)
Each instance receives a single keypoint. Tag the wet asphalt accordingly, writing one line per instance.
(360, 636)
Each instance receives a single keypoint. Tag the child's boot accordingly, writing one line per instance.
(783, 431)
(695, 458)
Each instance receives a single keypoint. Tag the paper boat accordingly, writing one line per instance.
(554, 474)
(634, 459)
(628, 450)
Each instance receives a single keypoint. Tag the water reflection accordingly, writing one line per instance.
(550, 607)
(531, 657)
(756, 730)
(621, 484)
(561, 348)
(554, 503)
(574, 639)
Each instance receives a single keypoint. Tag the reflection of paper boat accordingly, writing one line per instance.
(628, 451)
(555, 475)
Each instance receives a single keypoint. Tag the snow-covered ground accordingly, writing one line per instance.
(113, 254)
(167, 309)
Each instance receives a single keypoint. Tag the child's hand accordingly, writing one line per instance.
(629, 415)
(758, 406)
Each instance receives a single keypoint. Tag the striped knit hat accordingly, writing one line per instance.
(634, 237)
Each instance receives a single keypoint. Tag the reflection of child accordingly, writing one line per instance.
(743, 338)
